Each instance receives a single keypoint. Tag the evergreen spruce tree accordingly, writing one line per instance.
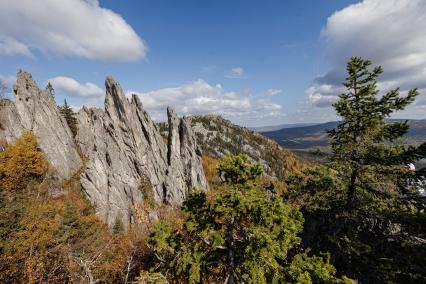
(361, 144)
(69, 116)
(355, 208)
(238, 235)
(50, 90)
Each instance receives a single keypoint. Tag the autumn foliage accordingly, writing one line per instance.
(210, 168)
(49, 232)
(21, 162)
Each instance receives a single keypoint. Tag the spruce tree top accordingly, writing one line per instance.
(363, 111)
(363, 151)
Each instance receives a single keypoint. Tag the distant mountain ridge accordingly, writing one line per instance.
(280, 126)
(315, 136)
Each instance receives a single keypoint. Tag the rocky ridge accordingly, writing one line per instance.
(125, 157)
(218, 137)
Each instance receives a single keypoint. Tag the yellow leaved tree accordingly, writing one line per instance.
(21, 162)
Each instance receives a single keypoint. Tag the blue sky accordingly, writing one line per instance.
(254, 62)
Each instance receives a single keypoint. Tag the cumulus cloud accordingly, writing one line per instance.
(236, 72)
(67, 27)
(72, 88)
(323, 95)
(390, 33)
(200, 97)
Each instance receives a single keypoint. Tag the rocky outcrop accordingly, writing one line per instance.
(10, 122)
(126, 160)
(35, 110)
(124, 148)
(218, 137)
(185, 170)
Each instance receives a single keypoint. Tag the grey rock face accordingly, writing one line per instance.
(36, 111)
(10, 122)
(126, 160)
(183, 158)
(123, 147)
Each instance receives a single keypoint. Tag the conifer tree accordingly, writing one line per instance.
(69, 116)
(239, 235)
(50, 90)
(362, 152)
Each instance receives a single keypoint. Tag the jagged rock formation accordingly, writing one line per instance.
(10, 122)
(124, 147)
(125, 157)
(35, 110)
(183, 157)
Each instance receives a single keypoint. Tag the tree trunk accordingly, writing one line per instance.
(350, 202)
(230, 279)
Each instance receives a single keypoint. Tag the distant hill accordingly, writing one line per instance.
(302, 137)
(315, 136)
(218, 137)
(307, 141)
(278, 127)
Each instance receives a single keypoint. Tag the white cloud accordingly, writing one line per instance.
(9, 46)
(390, 33)
(72, 88)
(67, 27)
(6, 84)
(8, 80)
(267, 105)
(236, 72)
(200, 97)
(273, 92)
(323, 95)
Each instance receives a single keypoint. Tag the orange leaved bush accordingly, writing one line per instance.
(210, 165)
(57, 238)
(21, 162)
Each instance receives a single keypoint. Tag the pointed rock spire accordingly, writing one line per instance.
(124, 148)
(36, 111)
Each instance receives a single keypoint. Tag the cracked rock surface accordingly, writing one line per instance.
(126, 160)
(35, 110)
(123, 146)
